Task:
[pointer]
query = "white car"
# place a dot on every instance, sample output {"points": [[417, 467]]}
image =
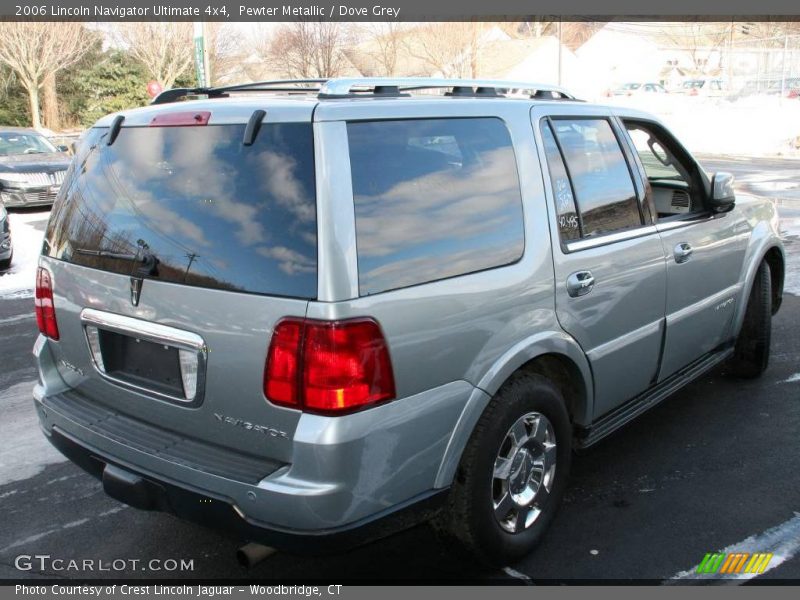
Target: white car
{"points": [[635, 89]]}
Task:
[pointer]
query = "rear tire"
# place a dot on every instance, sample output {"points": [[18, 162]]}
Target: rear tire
{"points": [[512, 474], [751, 355]]}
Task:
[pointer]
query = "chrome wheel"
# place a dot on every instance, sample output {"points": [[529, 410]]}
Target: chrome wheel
{"points": [[524, 471]]}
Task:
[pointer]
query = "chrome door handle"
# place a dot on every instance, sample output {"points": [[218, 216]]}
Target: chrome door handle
{"points": [[682, 252], [580, 283]]}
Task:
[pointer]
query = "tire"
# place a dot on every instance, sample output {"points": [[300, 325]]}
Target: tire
{"points": [[6, 264], [469, 520], [751, 355]]}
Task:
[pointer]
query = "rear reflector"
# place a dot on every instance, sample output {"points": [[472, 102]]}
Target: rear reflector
{"points": [[181, 119], [328, 367], [43, 301]]}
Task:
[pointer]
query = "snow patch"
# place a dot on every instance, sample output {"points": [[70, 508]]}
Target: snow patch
{"points": [[790, 232], [24, 450], [19, 280], [783, 541], [792, 379]]}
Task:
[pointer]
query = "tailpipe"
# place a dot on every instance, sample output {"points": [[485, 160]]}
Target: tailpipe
{"points": [[251, 554]]}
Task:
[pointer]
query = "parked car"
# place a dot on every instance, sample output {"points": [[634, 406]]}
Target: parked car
{"points": [[635, 89], [31, 168], [6, 248], [702, 87], [314, 316], [788, 87]]}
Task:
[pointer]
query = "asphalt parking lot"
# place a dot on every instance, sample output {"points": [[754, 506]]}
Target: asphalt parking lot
{"points": [[713, 468]]}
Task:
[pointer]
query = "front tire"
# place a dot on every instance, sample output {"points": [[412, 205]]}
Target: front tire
{"points": [[512, 474], [6, 264], [751, 355]]}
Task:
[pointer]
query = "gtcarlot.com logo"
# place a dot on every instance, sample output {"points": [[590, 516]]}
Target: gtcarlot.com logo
{"points": [[45, 562]]}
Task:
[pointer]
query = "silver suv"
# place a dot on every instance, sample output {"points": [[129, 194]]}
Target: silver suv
{"points": [[328, 310]]}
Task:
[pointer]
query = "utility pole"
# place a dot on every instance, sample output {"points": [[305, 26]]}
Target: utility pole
{"points": [[201, 64], [559, 51], [192, 257], [783, 62], [730, 59]]}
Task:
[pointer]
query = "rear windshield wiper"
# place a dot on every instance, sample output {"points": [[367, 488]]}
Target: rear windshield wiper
{"points": [[147, 260]]}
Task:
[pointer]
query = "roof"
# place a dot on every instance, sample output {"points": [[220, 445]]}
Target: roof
{"points": [[9, 128], [235, 104]]}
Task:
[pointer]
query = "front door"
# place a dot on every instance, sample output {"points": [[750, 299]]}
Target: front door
{"points": [[704, 251]]}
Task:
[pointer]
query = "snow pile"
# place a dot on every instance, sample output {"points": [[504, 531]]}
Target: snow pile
{"points": [[24, 450], [790, 231], [27, 234], [752, 126]]}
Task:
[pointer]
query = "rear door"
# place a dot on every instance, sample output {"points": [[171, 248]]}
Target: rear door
{"points": [[174, 250], [609, 262]]}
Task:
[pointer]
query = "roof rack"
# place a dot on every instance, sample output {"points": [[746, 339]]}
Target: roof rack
{"points": [[276, 85], [357, 87], [349, 87]]}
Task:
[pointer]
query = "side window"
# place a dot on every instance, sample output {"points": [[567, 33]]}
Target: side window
{"points": [[567, 214], [673, 186], [601, 181], [433, 198]]}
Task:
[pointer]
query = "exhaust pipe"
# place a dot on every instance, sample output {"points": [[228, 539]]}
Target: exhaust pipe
{"points": [[251, 554]]}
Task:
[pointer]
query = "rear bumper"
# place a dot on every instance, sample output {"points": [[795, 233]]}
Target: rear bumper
{"points": [[148, 492], [343, 474]]}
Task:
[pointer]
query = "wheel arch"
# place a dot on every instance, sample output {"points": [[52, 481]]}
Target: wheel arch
{"points": [[554, 355], [777, 266], [773, 254]]}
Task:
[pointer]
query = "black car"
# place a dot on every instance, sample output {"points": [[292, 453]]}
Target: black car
{"points": [[6, 250], [31, 168]]}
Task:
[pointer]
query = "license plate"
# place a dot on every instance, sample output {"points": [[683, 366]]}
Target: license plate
{"points": [[142, 363]]}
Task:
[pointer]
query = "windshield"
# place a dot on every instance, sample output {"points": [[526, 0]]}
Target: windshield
{"points": [[14, 143], [195, 206]]}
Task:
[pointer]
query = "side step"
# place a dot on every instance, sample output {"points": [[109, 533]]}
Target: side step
{"points": [[624, 414]]}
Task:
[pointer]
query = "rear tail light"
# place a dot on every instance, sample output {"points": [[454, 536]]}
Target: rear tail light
{"points": [[328, 367], [43, 301]]}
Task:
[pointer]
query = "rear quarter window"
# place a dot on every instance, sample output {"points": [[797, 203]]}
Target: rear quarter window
{"points": [[434, 198]]}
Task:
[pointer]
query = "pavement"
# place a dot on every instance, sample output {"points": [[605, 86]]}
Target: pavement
{"points": [[714, 468]]}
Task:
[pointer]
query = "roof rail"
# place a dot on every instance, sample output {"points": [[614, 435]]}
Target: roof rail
{"points": [[348, 87], [275, 85], [376, 86]]}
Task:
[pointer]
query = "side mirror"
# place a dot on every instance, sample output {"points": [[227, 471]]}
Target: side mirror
{"points": [[63, 148], [723, 198]]}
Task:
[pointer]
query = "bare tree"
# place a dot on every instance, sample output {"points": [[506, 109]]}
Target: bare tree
{"points": [[385, 40], [36, 50], [452, 48], [222, 45], [306, 49], [164, 49], [699, 40]]}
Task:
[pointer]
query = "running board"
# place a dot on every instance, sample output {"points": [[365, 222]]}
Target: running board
{"points": [[624, 414]]}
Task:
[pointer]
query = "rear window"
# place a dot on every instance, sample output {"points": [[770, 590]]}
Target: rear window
{"points": [[211, 211], [434, 198]]}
